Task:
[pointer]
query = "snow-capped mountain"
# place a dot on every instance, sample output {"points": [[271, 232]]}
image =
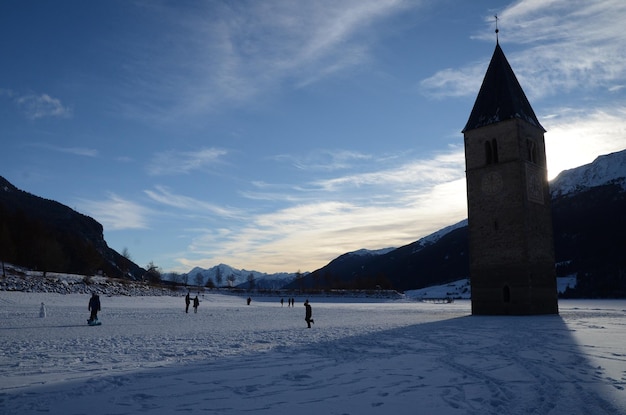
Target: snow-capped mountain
{"points": [[223, 275], [366, 252], [604, 169]]}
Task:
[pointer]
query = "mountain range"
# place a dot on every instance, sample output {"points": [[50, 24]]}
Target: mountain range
{"points": [[589, 220]]}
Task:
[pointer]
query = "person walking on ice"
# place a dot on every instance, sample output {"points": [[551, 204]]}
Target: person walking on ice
{"points": [[196, 303], [94, 307], [309, 313]]}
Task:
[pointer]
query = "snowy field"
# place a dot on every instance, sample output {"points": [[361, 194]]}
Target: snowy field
{"points": [[360, 357]]}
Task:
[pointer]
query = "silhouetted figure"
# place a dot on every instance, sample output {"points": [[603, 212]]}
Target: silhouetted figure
{"points": [[196, 303], [187, 302], [42, 311], [249, 300], [308, 314], [94, 307], [282, 302]]}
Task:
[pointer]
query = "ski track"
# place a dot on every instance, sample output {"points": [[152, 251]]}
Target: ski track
{"points": [[359, 358]]}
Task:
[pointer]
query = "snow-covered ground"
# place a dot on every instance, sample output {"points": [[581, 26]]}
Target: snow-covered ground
{"points": [[360, 357]]}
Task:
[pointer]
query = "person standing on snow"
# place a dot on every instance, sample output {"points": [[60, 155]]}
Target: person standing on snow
{"points": [[196, 303], [308, 314], [94, 307], [187, 302]]}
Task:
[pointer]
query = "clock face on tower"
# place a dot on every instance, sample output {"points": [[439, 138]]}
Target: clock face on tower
{"points": [[491, 183], [534, 186]]}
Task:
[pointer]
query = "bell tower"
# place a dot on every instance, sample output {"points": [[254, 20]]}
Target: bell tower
{"points": [[512, 268]]}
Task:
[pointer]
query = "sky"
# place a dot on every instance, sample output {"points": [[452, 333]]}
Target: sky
{"points": [[277, 135]]}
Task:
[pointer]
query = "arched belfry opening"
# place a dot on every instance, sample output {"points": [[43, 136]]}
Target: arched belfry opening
{"points": [[512, 267]]}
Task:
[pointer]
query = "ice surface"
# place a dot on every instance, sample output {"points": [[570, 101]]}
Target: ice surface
{"points": [[360, 357]]}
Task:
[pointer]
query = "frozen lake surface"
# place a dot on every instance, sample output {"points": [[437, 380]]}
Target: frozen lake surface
{"points": [[360, 357]]}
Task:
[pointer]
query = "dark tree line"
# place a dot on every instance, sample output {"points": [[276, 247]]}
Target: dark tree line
{"points": [[31, 243]]}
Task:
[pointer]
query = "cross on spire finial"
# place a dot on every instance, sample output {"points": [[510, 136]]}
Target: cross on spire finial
{"points": [[497, 30]]}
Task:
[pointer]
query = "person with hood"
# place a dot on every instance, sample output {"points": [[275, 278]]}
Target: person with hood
{"points": [[308, 314], [94, 307]]}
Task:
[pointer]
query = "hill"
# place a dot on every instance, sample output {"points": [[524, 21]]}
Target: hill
{"points": [[45, 235]]}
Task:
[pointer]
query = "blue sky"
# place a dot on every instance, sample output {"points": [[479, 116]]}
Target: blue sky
{"points": [[278, 135]]}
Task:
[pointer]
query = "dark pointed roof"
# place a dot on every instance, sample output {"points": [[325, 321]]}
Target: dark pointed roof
{"points": [[501, 97]]}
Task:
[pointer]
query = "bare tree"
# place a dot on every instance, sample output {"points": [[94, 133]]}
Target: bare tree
{"points": [[152, 273]]}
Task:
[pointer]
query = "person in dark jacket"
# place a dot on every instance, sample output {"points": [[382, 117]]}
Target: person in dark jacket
{"points": [[187, 302], [196, 303], [308, 314], [94, 307]]}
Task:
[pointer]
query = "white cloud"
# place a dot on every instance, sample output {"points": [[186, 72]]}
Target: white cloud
{"points": [[166, 197], [80, 151], [568, 45], [183, 162], [453, 82], [77, 151], [217, 54], [116, 213], [326, 160], [418, 173], [576, 137], [41, 106]]}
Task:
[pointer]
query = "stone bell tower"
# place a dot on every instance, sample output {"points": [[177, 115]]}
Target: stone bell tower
{"points": [[511, 244]]}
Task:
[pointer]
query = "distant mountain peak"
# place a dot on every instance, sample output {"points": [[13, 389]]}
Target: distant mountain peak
{"points": [[363, 252]]}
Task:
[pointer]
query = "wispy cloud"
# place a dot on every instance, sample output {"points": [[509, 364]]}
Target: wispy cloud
{"points": [[77, 151], [568, 45], [36, 106], [165, 196], [116, 213], [416, 173], [391, 207], [315, 233], [325, 160], [228, 54], [183, 162]]}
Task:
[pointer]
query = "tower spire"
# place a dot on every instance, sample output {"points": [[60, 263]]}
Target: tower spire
{"points": [[497, 30]]}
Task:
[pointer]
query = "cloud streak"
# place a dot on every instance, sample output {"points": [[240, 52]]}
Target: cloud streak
{"points": [[568, 45], [166, 197], [77, 151], [117, 213], [218, 55], [184, 162], [324, 219], [35, 106]]}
